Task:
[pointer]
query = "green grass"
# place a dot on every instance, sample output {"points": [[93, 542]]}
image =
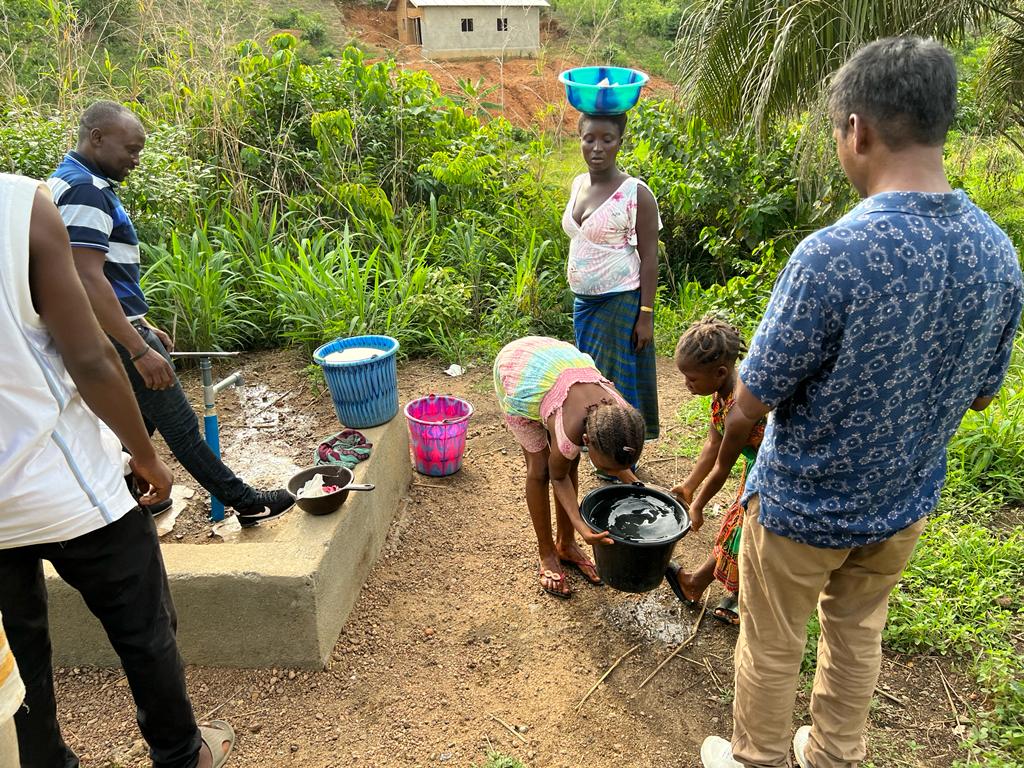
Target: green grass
{"points": [[498, 760], [693, 417], [961, 593]]}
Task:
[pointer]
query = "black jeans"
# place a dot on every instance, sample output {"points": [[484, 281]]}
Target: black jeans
{"points": [[170, 413], [120, 573]]}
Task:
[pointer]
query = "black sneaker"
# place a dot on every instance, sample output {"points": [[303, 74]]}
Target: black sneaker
{"points": [[269, 505]]}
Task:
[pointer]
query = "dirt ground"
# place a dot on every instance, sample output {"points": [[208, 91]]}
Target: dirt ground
{"points": [[528, 92], [451, 636]]}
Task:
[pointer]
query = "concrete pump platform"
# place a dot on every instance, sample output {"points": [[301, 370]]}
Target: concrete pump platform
{"points": [[276, 596]]}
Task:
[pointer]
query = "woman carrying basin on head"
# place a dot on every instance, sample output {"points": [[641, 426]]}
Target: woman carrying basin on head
{"points": [[555, 400], [612, 222]]}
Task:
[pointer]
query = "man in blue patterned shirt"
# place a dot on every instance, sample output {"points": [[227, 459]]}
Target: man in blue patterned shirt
{"points": [[882, 331]]}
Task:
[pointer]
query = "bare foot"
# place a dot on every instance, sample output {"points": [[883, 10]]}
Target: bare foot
{"points": [[571, 554]]}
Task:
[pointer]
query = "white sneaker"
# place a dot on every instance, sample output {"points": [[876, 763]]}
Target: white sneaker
{"points": [[716, 752], [800, 740]]}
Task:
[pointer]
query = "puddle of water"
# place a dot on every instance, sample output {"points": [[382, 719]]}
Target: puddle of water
{"points": [[653, 616], [259, 406], [257, 451]]}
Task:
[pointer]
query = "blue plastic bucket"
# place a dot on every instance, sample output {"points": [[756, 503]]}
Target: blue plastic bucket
{"points": [[603, 90], [364, 392]]}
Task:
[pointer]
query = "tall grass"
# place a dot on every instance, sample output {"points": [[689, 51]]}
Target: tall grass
{"points": [[198, 295], [987, 454]]}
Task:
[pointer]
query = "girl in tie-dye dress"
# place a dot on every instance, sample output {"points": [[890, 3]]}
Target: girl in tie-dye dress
{"points": [[555, 401]]}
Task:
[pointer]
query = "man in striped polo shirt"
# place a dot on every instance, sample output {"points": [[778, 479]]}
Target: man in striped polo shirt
{"points": [[106, 250]]}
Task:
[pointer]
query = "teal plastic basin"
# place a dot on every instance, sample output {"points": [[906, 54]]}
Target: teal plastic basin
{"points": [[603, 90]]}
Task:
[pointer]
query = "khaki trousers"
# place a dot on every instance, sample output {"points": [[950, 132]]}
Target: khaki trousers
{"points": [[8, 744], [781, 582]]}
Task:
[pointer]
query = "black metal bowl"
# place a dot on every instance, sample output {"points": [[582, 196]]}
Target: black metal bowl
{"points": [[331, 502]]}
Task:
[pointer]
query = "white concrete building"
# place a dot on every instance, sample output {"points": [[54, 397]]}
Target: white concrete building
{"points": [[460, 29]]}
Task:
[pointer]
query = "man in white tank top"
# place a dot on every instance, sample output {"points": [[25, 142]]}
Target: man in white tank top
{"points": [[63, 497]]}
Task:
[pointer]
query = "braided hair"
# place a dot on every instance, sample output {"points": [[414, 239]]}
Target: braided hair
{"points": [[617, 431], [710, 340]]}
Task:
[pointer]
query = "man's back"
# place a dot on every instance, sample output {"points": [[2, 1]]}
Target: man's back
{"points": [[56, 478], [896, 319]]}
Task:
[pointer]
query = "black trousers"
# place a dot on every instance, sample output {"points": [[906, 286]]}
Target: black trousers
{"points": [[169, 411], [120, 573]]}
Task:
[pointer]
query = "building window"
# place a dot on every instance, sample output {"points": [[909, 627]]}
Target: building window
{"points": [[503, 25], [467, 25]]}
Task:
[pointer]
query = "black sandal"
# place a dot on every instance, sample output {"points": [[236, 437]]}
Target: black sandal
{"points": [[672, 577], [727, 611]]}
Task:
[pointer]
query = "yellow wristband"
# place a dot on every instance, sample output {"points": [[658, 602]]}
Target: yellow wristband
{"points": [[646, 309]]}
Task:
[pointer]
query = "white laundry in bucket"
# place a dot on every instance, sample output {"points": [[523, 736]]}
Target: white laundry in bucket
{"points": [[352, 355]]}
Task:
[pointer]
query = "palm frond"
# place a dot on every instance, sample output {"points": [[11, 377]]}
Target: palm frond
{"points": [[755, 61], [1001, 86]]}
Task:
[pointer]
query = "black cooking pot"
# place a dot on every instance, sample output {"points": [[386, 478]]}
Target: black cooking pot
{"points": [[631, 565], [331, 502]]}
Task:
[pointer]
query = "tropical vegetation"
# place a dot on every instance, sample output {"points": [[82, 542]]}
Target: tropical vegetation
{"points": [[294, 189]]}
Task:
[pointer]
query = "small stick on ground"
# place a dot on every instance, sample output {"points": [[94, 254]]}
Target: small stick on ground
{"points": [[418, 484], [890, 697], [508, 728], [274, 402], [490, 442], [692, 661], [493, 450], [314, 400], [946, 687], [686, 642], [220, 706], [112, 682], [714, 676], [605, 676]]}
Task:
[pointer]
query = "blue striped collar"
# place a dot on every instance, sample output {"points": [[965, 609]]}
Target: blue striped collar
{"points": [[79, 159]]}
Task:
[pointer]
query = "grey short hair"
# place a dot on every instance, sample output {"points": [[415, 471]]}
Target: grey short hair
{"points": [[905, 85], [101, 114]]}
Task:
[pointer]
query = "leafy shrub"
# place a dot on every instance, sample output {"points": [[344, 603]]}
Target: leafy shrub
{"points": [[952, 596], [32, 140], [722, 199], [987, 453]]}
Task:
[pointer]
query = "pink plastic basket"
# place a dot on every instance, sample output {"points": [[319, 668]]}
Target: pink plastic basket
{"points": [[437, 431]]}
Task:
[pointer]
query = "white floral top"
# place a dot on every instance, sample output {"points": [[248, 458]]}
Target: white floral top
{"points": [[602, 251]]}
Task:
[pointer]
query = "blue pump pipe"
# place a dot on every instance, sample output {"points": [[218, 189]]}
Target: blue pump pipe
{"points": [[211, 427]]}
